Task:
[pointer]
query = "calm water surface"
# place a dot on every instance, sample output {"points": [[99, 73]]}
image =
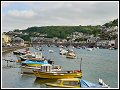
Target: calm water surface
{"points": [[99, 63]]}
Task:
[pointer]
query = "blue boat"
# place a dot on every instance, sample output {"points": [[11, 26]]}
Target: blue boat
{"points": [[87, 84], [34, 62]]}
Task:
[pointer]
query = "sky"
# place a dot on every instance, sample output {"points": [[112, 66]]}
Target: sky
{"points": [[21, 15]]}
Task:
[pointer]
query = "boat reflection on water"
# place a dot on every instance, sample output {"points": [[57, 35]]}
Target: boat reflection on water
{"points": [[43, 81]]}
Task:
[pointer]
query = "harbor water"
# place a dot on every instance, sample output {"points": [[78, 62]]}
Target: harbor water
{"points": [[98, 63]]}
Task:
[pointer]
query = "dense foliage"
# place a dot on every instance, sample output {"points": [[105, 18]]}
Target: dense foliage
{"points": [[63, 31], [111, 23]]}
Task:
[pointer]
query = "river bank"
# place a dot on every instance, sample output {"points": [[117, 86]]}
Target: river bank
{"points": [[13, 48]]}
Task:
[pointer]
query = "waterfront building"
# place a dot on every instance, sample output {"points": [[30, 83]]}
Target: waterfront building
{"points": [[116, 43], [6, 39], [18, 41], [93, 39], [102, 43], [112, 43]]}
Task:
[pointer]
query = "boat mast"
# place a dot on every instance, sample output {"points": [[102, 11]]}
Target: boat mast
{"points": [[80, 65]]}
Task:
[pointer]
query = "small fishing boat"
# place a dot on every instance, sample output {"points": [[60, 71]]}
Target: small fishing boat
{"points": [[39, 48], [63, 51], [61, 46], [36, 56], [88, 84], [111, 48], [74, 83], [51, 51], [46, 71], [29, 69], [65, 83], [35, 60], [34, 63], [31, 56], [18, 53], [21, 53], [89, 49], [101, 82], [70, 54], [26, 56], [83, 47]]}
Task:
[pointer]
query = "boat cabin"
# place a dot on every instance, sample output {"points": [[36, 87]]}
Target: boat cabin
{"points": [[38, 55], [50, 68]]}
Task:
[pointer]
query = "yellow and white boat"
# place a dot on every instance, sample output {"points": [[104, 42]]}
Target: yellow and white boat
{"points": [[65, 83], [70, 54], [29, 69], [47, 72]]}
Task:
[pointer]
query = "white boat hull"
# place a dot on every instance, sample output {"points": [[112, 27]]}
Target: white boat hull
{"points": [[28, 70]]}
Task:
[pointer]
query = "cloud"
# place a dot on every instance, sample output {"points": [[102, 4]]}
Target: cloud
{"points": [[26, 14], [22, 13]]}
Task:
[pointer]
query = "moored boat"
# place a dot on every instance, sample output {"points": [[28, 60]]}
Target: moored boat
{"points": [[26, 56], [21, 53], [89, 49], [27, 66], [51, 51], [34, 62], [65, 83], [18, 53], [47, 72], [35, 56], [29, 69], [63, 51], [88, 84], [75, 83], [70, 54]]}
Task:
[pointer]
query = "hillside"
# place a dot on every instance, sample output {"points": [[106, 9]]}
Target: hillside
{"points": [[62, 31], [111, 23]]}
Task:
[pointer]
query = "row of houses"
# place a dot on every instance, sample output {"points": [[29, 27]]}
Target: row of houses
{"points": [[12, 41], [76, 35], [107, 43], [110, 29], [7, 40], [97, 41], [47, 40]]}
